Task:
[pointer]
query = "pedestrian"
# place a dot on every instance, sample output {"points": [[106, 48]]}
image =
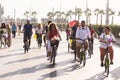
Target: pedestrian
{"points": [[14, 30], [19, 29]]}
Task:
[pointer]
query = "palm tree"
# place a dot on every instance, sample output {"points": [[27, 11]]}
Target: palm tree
{"points": [[119, 13], [112, 13], [78, 12], [96, 12], [88, 14], [58, 14], [70, 13], [26, 14], [34, 13], [101, 12], [50, 15]]}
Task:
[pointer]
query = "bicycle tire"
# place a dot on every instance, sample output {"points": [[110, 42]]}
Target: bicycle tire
{"points": [[54, 55], [84, 59], [107, 65]]}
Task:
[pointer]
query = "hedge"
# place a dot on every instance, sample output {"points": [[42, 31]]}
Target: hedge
{"points": [[115, 29]]}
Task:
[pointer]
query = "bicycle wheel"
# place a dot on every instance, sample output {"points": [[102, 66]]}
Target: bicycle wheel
{"points": [[54, 55], [107, 66], [81, 58], [84, 59]]}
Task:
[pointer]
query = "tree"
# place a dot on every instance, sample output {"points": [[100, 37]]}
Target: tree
{"points": [[26, 14], [34, 13], [88, 14], [69, 14], [50, 15], [78, 12], [101, 12], [96, 12], [112, 13]]}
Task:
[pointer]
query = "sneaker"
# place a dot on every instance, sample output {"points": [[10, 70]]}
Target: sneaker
{"points": [[111, 62], [48, 58], [45, 45]]}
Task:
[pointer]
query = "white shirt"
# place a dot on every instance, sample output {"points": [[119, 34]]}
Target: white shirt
{"points": [[39, 31], [106, 37], [82, 33]]}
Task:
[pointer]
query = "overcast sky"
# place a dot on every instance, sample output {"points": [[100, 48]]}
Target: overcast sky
{"points": [[42, 7]]}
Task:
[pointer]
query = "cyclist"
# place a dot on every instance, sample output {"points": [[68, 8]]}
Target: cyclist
{"points": [[83, 33], [67, 32], [39, 31], [27, 29], [106, 40], [45, 30], [9, 32], [3, 30], [93, 33], [73, 35], [52, 35]]}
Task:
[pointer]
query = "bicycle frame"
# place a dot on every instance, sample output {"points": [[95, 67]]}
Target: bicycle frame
{"points": [[82, 52], [107, 61], [54, 48]]}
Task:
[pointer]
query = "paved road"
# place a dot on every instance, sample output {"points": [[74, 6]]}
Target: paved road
{"points": [[15, 65]]}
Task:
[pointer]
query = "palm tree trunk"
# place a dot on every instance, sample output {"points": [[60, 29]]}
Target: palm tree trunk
{"points": [[97, 19], [101, 20], [78, 18], [112, 20]]}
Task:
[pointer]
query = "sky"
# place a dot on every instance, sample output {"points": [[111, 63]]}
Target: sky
{"points": [[42, 7]]}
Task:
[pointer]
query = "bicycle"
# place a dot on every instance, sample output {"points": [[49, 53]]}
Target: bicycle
{"points": [[26, 46], [82, 52], [54, 50], [90, 50], [71, 44], [39, 41], [107, 61]]}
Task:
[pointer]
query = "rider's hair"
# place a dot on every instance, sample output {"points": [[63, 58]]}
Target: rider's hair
{"points": [[108, 28], [51, 25]]}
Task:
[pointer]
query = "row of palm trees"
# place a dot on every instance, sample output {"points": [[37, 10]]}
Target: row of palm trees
{"points": [[78, 13], [28, 14]]}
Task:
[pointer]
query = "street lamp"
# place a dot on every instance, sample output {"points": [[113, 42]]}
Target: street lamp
{"points": [[107, 12], [86, 10]]}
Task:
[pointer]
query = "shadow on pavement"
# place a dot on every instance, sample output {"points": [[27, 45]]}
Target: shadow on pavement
{"points": [[23, 60], [32, 69], [114, 74], [16, 54], [60, 72]]}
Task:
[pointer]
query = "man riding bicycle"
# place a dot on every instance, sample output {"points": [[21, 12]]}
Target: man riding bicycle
{"points": [[27, 29], [82, 33]]}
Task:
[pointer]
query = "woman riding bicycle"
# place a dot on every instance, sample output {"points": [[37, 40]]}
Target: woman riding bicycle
{"points": [[52, 35], [106, 40]]}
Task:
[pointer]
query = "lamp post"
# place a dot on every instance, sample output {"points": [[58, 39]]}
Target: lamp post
{"points": [[107, 12], [86, 10]]}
